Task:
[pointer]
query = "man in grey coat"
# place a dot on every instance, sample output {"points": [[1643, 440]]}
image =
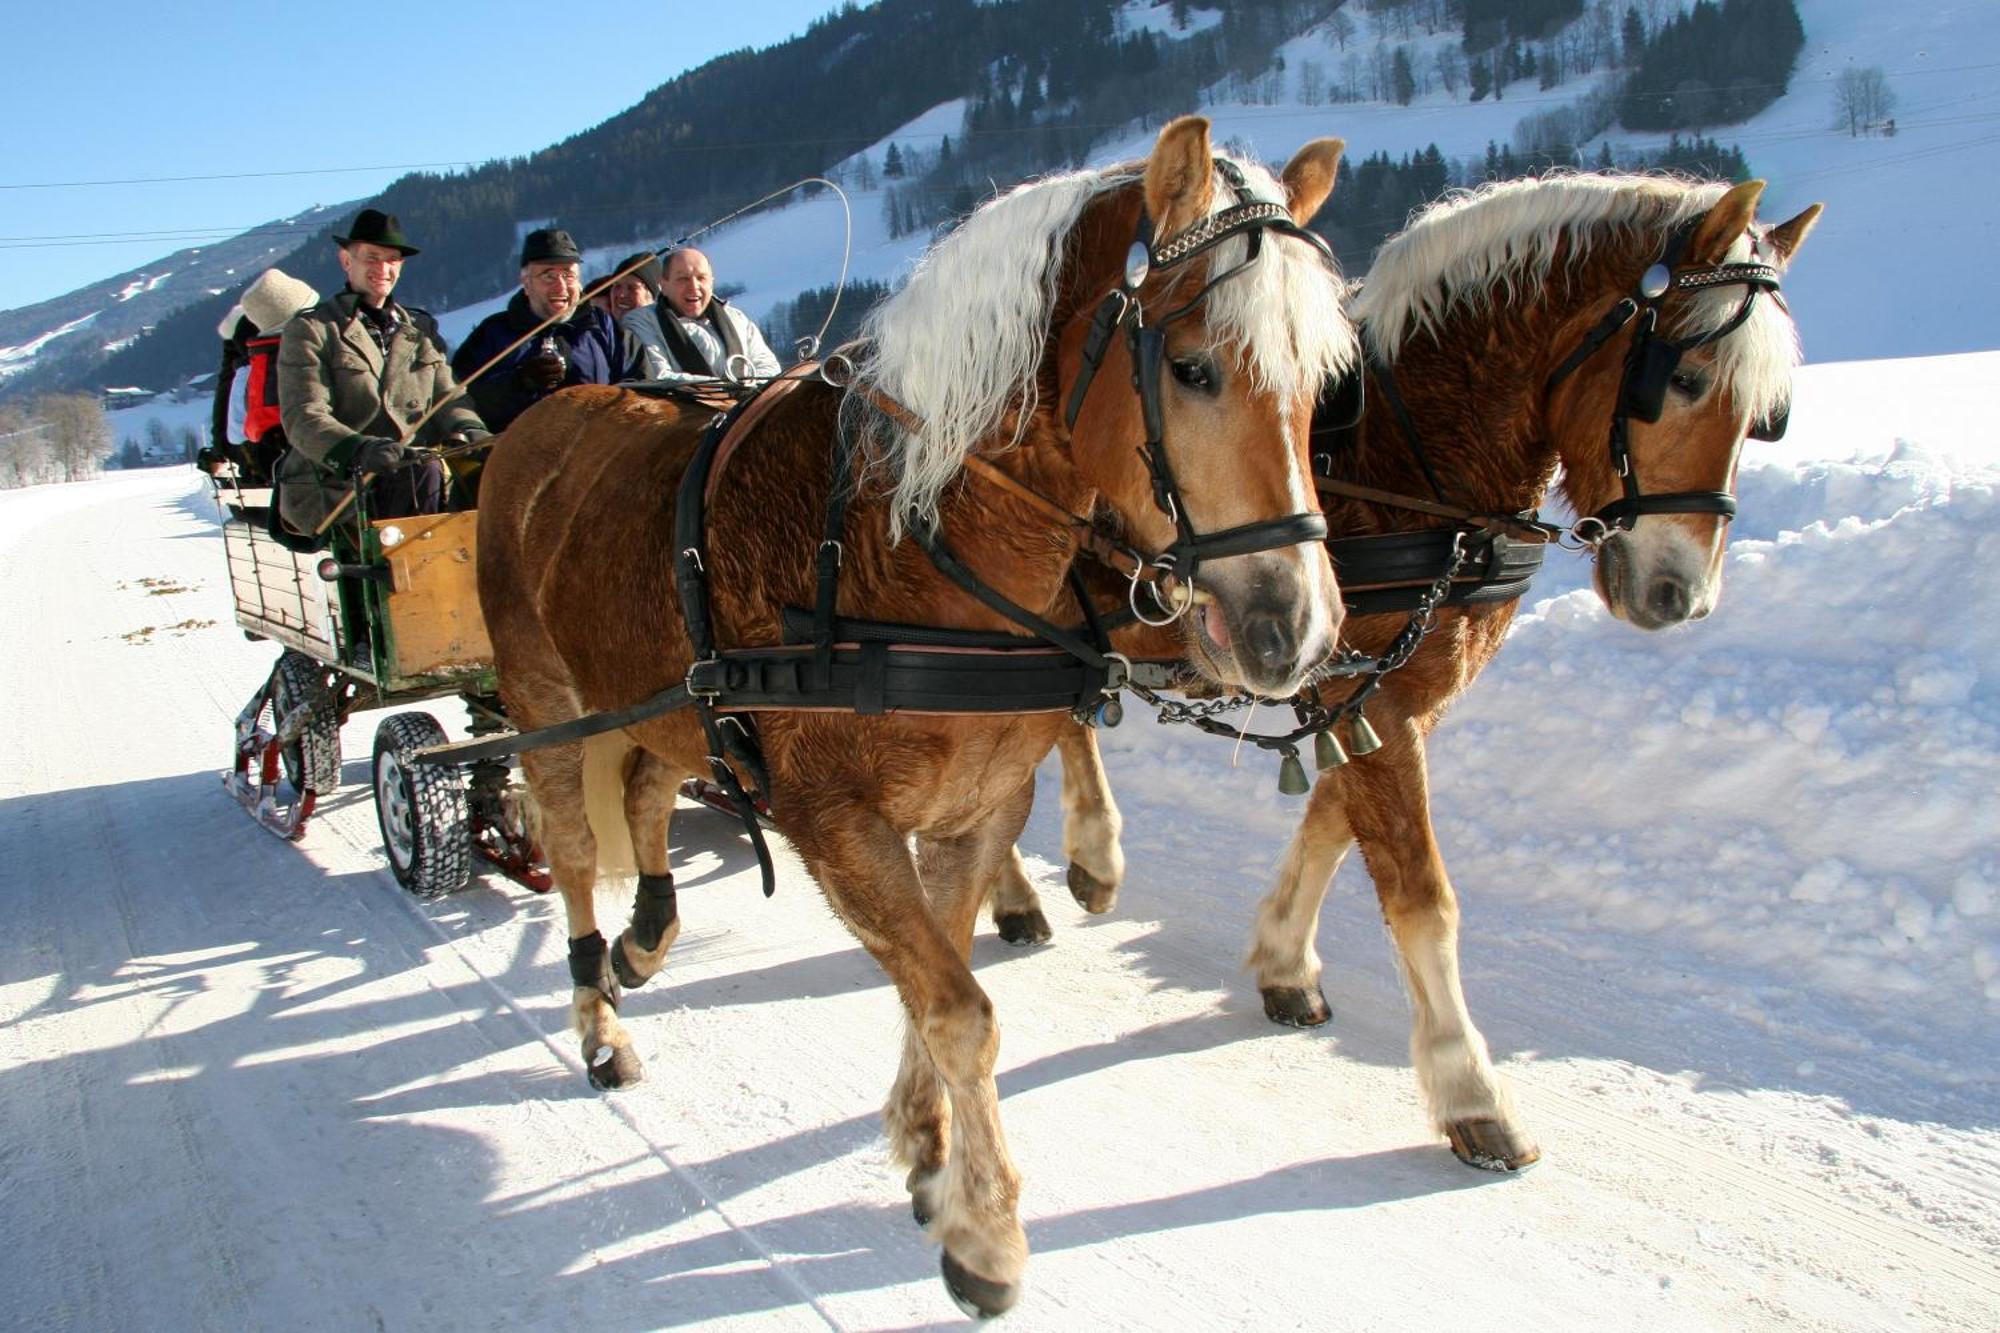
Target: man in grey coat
{"points": [[355, 372], [693, 334]]}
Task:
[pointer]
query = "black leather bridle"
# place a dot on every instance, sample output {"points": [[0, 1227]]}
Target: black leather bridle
{"points": [[1146, 343], [1649, 367]]}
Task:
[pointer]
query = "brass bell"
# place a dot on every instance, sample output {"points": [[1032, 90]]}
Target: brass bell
{"points": [[1361, 738], [1292, 775], [1327, 752]]}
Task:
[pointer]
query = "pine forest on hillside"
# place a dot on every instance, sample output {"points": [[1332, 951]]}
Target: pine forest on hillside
{"points": [[1045, 82]]}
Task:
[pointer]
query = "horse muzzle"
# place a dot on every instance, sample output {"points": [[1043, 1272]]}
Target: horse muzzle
{"points": [[1653, 584], [1264, 621]]}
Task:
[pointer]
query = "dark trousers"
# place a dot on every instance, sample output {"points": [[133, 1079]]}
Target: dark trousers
{"points": [[407, 491]]}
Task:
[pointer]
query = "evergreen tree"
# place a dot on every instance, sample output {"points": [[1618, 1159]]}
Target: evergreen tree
{"points": [[1633, 36], [892, 163], [1402, 78]]}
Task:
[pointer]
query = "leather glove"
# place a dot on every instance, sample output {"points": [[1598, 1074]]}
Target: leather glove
{"points": [[375, 456], [543, 373]]}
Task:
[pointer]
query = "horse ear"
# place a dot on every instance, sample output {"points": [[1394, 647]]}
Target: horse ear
{"points": [[1179, 176], [1309, 177], [1729, 219], [1786, 237]]}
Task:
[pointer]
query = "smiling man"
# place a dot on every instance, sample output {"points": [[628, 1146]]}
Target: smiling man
{"points": [[692, 333], [582, 344], [355, 372]]}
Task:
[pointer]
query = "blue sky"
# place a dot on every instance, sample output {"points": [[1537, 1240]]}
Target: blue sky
{"points": [[302, 103]]}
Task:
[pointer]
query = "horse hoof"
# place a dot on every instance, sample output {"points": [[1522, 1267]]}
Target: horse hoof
{"points": [[614, 1067], [621, 966], [975, 1295], [1029, 927], [1296, 1006], [1491, 1145], [923, 1186], [1092, 894]]}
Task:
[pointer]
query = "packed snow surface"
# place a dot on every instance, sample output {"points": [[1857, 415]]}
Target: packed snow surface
{"points": [[1730, 924]]}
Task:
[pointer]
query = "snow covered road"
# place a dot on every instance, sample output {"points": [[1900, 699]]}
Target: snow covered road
{"points": [[247, 1084]]}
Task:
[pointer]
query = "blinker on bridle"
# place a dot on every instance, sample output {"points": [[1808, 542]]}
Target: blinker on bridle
{"points": [[1650, 363], [1121, 310]]}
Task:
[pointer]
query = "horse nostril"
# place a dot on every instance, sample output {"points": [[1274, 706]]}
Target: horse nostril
{"points": [[1667, 599], [1270, 641]]}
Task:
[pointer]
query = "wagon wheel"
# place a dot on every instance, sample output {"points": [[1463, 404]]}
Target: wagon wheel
{"points": [[421, 807], [313, 761]]}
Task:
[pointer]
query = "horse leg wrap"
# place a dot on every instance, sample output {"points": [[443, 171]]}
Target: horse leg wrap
{"points": [[653, 910], [586, 966]]}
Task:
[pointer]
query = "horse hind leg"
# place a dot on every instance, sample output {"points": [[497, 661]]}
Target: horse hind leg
{"points": [[1467, 1100], [640, 952], [1017, 908], [1092, 824], [1283, 952], [555, 777]]}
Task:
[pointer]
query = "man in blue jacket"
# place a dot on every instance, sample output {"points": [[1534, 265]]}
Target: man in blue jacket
{"points": [[583, 345]]}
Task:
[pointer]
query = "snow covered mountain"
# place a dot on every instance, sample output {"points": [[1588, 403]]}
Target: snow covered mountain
{"points": [[1895, 273]]}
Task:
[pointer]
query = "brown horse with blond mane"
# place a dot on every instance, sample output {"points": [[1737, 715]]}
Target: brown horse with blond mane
{"points": [[1510, 330], [904, 816]]}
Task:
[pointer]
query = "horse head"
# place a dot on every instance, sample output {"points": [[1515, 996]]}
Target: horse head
{"points": [[1691, 358], [1231, 318]]}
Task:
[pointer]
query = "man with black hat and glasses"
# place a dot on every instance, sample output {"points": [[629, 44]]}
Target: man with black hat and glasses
{"points": [[583, 344], [355, 373]]}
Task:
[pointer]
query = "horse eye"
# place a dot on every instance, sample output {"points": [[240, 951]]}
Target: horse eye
{"points": [[1194, 372], [1688, 383]]}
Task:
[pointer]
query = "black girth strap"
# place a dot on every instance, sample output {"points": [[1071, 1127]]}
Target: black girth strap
{"points": [[691, 578]]}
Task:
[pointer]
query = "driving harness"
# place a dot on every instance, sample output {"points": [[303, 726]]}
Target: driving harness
{"points": [[830, 663]]}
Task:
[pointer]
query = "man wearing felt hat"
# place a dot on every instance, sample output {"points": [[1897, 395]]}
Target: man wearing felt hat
{"points": [[581, 344], [355, 373]]}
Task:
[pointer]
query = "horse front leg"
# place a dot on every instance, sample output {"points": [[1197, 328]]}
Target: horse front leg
{"points": [[555, 778], [1091, 823], [1390, 813], [1283, 952], [641, 950], [920, 929]]}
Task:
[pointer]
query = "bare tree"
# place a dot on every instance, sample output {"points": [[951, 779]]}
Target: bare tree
{"points": [[23, 456], [1341, 26], [1862, 99], [78, 435], [1451, 67], [1312, 83]]}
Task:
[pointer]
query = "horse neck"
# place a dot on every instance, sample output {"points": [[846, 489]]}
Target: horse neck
{"points": [[1475, 391]]}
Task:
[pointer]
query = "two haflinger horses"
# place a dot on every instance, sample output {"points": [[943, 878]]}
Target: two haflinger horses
{"points": [[1511, 332], [1187, 277]]}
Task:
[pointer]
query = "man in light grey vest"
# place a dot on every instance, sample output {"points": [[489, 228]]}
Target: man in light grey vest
{"points": [[692, 334]]}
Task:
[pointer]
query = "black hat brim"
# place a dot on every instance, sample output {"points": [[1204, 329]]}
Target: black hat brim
{"points": [[407, 250]]}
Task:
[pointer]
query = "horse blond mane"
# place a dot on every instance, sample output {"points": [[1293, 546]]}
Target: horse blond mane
{"points": [[1499, 243], [960, 345]]}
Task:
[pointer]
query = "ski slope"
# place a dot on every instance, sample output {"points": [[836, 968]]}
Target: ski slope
{"points": [[1730, 927]]}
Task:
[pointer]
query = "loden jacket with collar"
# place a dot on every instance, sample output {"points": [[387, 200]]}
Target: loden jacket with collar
{"points": [[336, 388]]}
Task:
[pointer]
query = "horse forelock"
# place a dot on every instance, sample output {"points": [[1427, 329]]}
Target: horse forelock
{"points": [[1498, 243], [1284, 315], [960, 345]]}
